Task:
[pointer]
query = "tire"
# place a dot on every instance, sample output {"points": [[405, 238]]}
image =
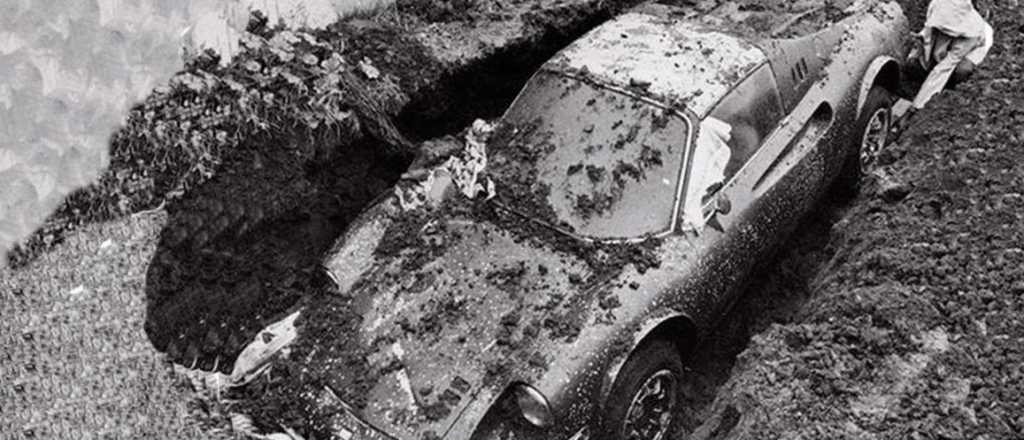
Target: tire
{"points": [[658, 361], [863, 155]]}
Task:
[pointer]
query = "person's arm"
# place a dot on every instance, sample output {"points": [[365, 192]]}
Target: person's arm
{"points": [[979, 53], [939, 75]]}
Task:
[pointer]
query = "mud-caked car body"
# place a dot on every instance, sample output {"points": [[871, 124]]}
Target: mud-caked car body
{"points": [[638, 179]]}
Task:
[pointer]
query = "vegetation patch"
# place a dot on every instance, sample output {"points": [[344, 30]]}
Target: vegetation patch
{"points": [[288, 100]]}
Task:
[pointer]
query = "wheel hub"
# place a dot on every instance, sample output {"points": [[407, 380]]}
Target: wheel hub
{"points": [[650, 413], [875, 135]]}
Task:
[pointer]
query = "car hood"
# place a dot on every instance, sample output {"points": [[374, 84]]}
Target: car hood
{"points": [[451, 303]]}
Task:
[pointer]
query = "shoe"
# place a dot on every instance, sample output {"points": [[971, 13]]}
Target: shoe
{"points": [[901, 125]]}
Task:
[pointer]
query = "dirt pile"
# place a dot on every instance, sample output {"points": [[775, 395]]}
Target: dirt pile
{"points": [[914, 329]]}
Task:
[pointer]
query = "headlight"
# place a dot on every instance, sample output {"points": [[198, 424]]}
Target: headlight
{"points": [[533, 405]]}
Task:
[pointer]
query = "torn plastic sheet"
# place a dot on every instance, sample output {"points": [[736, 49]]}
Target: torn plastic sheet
{"points": [[271, 342], [463, 170], [710, 158], [243, 424]]}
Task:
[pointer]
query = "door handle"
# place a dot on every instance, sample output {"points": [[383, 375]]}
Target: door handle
{"points": [[723, 205]]}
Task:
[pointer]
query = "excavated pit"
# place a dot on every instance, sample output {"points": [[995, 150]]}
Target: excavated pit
{"points": [[210, 295], [244, 248]]}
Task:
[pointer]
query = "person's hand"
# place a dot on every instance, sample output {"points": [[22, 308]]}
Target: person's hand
{"points": [[901, 125]]}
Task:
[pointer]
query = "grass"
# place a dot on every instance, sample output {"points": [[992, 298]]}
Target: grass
{"points": [[77, 363], [358, 8]]}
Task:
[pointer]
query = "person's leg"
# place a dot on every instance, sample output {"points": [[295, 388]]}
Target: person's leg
{"points": [[944, 68], [961, 74], [940, 46], [938, 79]]}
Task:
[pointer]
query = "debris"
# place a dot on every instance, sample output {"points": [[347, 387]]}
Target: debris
{"points": [[609, 302], [793, 20], [366, 66], [777, 19], [256, 357], [638, 83], [243, 424], [889, 187], [274, 340], [462, 170]]}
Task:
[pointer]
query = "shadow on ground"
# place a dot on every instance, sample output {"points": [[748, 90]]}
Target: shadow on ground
{"points": [[244, 249]]}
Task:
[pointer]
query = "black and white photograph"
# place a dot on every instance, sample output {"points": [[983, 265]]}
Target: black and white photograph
{"points": [[512, 219]]}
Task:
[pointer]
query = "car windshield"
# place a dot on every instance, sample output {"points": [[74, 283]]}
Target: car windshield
{"points": [[597, 162]]}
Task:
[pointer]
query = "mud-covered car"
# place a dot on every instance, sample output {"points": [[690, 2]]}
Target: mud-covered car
{"points": [[556, 288]]}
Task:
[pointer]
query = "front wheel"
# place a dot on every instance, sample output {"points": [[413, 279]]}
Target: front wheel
{"points": [[872, 133], [644, 400]]}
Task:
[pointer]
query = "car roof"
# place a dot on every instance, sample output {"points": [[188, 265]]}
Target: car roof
{"points": [[673, 61]]}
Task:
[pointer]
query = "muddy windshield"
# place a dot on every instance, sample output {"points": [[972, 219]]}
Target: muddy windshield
{"points": [[594, 161]]}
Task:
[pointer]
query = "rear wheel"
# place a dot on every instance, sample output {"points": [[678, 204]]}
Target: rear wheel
{"points": [[644, 400], [872, 134]]}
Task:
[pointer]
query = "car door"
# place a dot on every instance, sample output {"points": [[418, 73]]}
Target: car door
{"points": [[740, 126], [760, 193]]}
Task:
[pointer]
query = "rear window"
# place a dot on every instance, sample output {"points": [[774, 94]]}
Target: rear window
{"points": [[600, 163]]}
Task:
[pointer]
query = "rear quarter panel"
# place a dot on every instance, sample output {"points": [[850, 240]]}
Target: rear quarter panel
{"points": [[844, 53]]}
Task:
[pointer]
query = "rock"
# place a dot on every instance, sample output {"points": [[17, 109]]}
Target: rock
{"points": [[887, 186], [366, 66], [639, 83]]}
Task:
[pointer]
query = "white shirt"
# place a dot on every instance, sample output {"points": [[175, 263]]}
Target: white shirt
{"points": [[710, 157]]}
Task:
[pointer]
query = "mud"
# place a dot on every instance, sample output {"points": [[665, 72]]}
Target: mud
{"points": [[910, 329]]}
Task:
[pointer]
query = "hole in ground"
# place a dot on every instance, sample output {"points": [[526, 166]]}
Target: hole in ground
{"points": [[245, 249]]}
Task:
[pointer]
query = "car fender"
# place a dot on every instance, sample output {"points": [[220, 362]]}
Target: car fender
{"points": [[878, 66], [646, 328]]}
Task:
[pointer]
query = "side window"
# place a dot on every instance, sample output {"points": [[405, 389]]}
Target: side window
{"points": [[753, 110], [711, 155], [728, 137]]}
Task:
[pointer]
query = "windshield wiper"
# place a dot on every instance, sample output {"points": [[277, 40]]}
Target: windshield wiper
{"points": [[545, 225]]}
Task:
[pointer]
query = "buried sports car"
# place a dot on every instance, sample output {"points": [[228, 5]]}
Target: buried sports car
{"points": [[553, 287]]}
